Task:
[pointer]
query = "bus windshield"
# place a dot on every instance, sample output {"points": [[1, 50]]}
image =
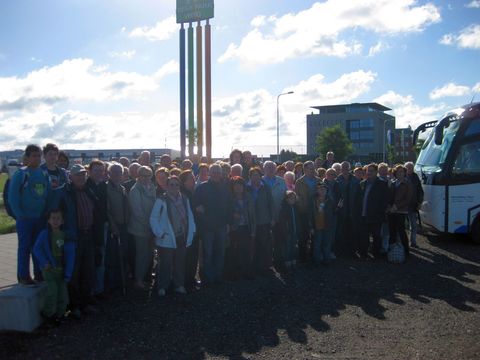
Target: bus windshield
{"points": [[432, 156]]}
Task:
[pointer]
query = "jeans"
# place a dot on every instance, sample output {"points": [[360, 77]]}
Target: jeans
{"points": [[385, 236], [213, 246], [412, 219], [322, 245], [27, 232], [100, 236], [56, 300]]}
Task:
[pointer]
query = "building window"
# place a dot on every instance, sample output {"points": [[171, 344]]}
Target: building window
{"points": [[366, 123], [354, 135]]}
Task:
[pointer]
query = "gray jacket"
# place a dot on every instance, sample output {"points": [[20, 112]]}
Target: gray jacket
{"points": [[141, 200]]}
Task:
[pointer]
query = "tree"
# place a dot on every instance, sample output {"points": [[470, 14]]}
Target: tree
{"points": [[286, 155], [334, 139]]}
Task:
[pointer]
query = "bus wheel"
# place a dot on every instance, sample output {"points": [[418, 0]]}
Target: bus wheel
{"points": [[476, 231]]}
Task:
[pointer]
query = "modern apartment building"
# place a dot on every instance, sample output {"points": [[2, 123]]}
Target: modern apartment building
{"points": [[366, 125]]}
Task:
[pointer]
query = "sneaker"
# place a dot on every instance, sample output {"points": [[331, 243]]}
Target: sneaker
{"points": [[161, 292], [27, 282], [414, 245], [180, 290]]}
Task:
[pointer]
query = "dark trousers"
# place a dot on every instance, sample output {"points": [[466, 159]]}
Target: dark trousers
{"points": [[263, 248], [116, 259], [367, 229], [304, 237], [81, 285], [396, 226], [346, 235], [171, 265], [191, 262], [278, 251], [242, 247]]}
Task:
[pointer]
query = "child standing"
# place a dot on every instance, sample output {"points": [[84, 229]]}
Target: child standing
{"points": [[290, 229], [56, 257]]}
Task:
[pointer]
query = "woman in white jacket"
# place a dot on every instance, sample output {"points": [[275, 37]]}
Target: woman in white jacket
{"points": [[173, 226]]}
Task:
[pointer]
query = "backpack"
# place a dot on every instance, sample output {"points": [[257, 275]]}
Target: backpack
{"points": [[6, 203], [24, 184]]}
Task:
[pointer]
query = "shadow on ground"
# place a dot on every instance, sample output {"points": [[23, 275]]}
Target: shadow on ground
{"points": [[240, 319]]}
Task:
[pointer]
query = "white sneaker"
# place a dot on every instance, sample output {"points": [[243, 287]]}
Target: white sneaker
{"points": [[180, 290], [161, 292]]}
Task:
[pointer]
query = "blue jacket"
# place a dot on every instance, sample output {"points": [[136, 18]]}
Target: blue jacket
{"points": [[28, 193], [43, 253], [217, 203], [57, 190]]}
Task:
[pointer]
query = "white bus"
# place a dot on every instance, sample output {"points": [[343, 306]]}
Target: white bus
{"points": [[449, 168]]}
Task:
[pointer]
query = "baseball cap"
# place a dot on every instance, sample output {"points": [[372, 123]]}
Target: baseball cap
{"points": [[77, 169]]}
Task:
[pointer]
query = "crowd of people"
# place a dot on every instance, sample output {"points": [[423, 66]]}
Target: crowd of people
{"points": [[95, 230]]}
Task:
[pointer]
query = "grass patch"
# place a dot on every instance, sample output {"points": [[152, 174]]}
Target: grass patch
{"points": [[7, 224], [3, 179]]}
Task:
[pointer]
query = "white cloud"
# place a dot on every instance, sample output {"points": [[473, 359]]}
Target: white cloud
{"points": [[317, 30], [163, 30], [81, 130], [473, 4], [449, 90], [467, 38], [251, 116], [407, 112], [476, 88], [75, 80], [129, 54], [378, 48], [245, 120]]}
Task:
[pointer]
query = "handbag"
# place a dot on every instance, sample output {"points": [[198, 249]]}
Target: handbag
{"points": [[396, 253]]}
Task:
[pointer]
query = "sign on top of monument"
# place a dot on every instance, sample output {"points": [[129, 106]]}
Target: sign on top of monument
{"points": [[194, 10]]}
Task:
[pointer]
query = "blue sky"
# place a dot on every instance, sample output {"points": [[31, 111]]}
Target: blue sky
{"points": [[104, 74]]}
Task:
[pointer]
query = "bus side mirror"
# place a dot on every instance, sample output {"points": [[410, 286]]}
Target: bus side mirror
{"points": [[444, 123]]}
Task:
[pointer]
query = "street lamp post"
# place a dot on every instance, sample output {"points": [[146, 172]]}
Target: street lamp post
{"points": [[384, 137], [278, 124]]}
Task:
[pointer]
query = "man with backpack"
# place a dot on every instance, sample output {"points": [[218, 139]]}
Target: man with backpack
{"points": [[28, 194]]}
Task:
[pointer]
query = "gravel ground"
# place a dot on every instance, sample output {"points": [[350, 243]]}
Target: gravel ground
{"points": [[425, 309]]}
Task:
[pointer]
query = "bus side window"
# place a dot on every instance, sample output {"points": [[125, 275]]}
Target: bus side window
{"points": [[467, 161]]}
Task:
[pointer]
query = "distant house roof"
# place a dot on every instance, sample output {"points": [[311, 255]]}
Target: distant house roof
{"points": [[340, 107]]}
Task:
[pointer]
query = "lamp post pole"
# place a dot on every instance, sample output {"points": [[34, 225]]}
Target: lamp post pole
{"points": [[278, 123], [384, 137]]}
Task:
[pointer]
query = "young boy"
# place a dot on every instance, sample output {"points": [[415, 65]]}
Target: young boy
{"points": [[56, 257]]}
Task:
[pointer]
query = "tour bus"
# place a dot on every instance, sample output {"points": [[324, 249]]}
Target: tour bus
{"points": [[449, 168]]}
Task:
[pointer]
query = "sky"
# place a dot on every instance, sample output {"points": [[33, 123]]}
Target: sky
{"points": [[89, 74]]}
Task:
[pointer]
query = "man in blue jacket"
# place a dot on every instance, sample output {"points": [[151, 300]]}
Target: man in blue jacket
{"points": [[28, 197]]}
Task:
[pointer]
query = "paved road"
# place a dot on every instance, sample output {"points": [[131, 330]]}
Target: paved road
{"points": [[427, 308], [8, 260]]}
